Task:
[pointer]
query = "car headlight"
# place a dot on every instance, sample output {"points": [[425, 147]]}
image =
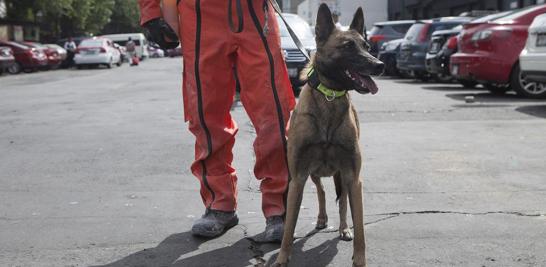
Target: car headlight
{"points": [[481, 35]]}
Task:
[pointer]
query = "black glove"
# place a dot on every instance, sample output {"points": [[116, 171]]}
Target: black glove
{"points": [[157, 30]]}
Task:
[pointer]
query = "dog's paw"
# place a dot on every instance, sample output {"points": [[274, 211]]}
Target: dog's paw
{"points": [[321, 225], [346, 234]]}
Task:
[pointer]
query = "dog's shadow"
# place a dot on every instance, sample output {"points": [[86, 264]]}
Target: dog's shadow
{"points": [[181, 249]]}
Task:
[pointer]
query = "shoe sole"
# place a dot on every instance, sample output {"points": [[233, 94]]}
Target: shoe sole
{"points": [[204, 233]]}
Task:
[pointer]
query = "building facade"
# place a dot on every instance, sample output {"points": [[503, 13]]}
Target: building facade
{"points": [[374, 10], [424, 9]]}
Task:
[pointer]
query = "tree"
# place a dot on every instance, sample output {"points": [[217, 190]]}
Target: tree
{"points": [[63, 18], [125, 17]]}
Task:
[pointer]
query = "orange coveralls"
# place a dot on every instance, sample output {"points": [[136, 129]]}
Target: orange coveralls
{"points": [[210, 49]]}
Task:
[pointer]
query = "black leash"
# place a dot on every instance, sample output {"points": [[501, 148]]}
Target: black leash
{"points": [[290, 31]]}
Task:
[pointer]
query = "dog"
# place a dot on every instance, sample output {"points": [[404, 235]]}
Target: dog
{"points": [[324, 129]]}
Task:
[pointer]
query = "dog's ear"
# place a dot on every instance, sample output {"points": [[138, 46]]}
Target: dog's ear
{"points": [[358, 22], [325, 24]]}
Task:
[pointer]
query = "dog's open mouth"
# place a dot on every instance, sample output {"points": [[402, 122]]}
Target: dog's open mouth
{"points": [[363, 83]]}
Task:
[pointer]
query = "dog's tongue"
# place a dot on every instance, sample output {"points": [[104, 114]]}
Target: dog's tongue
{"points": [[367, 83]]}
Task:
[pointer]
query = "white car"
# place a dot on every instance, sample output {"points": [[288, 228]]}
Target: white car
{"points": [[97, 51], [533, 59]]}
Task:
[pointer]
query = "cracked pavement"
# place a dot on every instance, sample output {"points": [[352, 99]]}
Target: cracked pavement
{"points": [[94, 172]]}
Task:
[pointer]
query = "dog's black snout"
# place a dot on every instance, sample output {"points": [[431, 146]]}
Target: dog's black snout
{"points": [[379, 67]]}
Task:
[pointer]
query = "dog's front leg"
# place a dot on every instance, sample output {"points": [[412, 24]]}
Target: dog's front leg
{"points": [[295, 194], [357, 212]]}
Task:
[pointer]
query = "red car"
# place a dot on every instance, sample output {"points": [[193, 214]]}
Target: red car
{"points": [[54, 58], [26, 58], [489, 51]]}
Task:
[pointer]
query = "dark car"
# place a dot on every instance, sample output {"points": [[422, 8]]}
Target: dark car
{"points": [[489, 52], [413, 50], [383, 32], [6, 58], [294, 58], [26, 58], [388, 53], [443, 44]]}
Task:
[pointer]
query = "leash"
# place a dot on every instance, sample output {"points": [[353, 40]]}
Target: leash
{"points": [[239, 28], [290, 31]]}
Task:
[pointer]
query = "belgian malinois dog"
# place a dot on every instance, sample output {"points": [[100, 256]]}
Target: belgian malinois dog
{"points": [[324, 129]]}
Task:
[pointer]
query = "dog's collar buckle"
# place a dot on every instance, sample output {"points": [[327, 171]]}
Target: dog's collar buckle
{"points": [[329, 94]]}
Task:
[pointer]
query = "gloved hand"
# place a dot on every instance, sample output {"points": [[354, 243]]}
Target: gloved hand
{"points": [[158, 31]]}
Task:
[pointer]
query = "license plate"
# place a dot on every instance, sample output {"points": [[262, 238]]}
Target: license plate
{"points": [[90, 52], [454, 69], [293, 72], [541, 39]]}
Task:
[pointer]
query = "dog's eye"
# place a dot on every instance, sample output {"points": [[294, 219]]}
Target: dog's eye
{"points": [[348, 45]]}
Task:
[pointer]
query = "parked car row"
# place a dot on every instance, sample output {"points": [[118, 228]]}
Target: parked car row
{"points": [[502, 51], [107, 50]]}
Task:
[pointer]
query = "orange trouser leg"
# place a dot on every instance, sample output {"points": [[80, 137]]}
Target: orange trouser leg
{"points": [[267, 96], [208, 89]]}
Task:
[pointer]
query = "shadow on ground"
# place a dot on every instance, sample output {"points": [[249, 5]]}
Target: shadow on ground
{"points": [[450, 88], [179, 250], [537, 111], [492, 98]]}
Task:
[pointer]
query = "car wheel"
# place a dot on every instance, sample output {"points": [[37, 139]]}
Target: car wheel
{"points": [[443, 78], [14, 68], [496, 89], [421, 76], [468, 84], [526, 88], [79, 67]]}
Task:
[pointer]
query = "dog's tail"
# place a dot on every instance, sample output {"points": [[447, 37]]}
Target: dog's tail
{"points": [[337, 183]]}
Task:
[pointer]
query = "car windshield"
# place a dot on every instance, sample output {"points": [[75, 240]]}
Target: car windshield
{"points": [[492, 17], [299, 26], [18, 45], [91, 43], [519, 13], [414, 31]]}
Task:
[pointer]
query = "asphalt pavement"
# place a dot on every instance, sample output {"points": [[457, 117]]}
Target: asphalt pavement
{"points": [[94, 171]]}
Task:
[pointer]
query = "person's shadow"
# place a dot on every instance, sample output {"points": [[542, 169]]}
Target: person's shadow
{"points": [[177, 251]]}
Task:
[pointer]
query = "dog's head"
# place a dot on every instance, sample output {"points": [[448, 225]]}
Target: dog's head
{"points": [[342, 59]]}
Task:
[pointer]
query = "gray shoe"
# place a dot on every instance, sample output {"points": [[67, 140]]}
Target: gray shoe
{"points": [[274, 228], [214, 223]]}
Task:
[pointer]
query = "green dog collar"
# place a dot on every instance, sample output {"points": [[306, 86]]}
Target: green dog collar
{"points": [[330, 94]]}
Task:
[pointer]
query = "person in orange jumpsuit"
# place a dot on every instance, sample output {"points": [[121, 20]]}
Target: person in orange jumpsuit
{"points": [[218, 36]]}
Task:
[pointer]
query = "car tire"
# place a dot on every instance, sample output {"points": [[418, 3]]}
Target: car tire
{"points": [[468, 84], [421, 76], [496, 89], [443, 78], [14, 68], [525, 88]]}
